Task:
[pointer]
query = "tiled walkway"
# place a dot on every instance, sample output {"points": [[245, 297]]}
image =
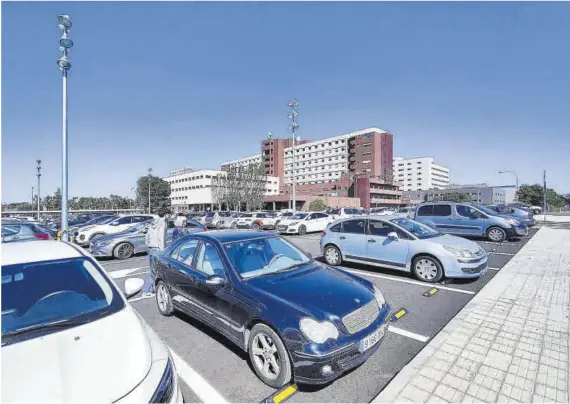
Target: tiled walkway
{"points": [[509, 344]]}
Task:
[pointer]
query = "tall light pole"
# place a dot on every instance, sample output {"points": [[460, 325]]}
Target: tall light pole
{"points": [[149, 178], [39, 174], [517, 180], [65, 45], [132, 199], [33, 197], [293, 128]]}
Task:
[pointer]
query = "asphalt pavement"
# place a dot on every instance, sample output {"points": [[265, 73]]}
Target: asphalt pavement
{"points": [[212, 369]]}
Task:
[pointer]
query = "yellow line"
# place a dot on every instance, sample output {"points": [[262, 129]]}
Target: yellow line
{"points": [[285, 394]]}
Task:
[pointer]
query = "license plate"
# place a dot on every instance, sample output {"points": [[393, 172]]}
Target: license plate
{"points": [[372, 339]]}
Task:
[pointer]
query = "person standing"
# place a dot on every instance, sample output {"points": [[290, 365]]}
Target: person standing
{"points": [[180, 227], [155, 242]]}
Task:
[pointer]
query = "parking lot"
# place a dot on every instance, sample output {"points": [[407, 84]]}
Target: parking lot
{"points": [[213, 369]]}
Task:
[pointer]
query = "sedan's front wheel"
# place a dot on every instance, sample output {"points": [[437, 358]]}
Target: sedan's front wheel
{"points": [[427, 269], [496, 234], [332, 255], [269, 356], [163, 299]]}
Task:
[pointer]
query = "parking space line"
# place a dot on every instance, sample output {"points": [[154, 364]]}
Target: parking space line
{"points": [[196, 382], [123, 261], [405, 333], [136, 299], [122, 273], [495, 269], [500, 253], [390, 278]]}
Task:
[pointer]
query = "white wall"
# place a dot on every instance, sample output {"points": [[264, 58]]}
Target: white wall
{"points": [[420, 174]]}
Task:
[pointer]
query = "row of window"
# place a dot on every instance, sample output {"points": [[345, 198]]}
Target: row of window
{"points": [[311, 155], [319, 146], [198, 177]]}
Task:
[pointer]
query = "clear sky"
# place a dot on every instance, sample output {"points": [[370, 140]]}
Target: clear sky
{"points": [[481, 87]]}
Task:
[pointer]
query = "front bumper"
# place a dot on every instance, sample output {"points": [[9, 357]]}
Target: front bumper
{"points": [[287, 229], [101, 251], [473, 268], [308, 367]]}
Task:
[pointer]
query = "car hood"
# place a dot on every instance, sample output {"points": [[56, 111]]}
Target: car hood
{"points": [[457, 242], [287, 222], [99, 362], [123, 234], [316, 290]]}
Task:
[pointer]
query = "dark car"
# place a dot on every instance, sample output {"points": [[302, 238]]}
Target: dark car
{"points": [[18, 231], [297, 318]]}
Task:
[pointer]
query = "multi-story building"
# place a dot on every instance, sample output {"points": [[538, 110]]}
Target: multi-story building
{"points": [[480, 193], [243, 162], [192, 189], [420, 173]]}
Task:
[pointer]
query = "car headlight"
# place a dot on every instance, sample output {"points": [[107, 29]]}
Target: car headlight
{"points": [[316, 331], [514, 222], [165, 389], [292, 223], [379, 297], [459, 253]]}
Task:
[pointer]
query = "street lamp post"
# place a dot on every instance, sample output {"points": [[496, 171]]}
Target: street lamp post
{"points": [[517, 180], [65, 45], [293, 128], [149, 178], [39, 174], [33, 199]]}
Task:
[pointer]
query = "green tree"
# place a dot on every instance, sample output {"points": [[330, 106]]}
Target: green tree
{"points": [[458, 197], [530, 194], [159, 193], [317, 205]]}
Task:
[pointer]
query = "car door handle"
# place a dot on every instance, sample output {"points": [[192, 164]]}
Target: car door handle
{"points": [[342, 238], [371, 240]]}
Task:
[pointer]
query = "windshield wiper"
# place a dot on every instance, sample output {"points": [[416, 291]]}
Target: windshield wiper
{"points": [[44, 326]]}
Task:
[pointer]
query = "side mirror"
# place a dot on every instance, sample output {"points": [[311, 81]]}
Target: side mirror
{"points": [[215, 280], [393, 235], [133, 286], [144, 231]]}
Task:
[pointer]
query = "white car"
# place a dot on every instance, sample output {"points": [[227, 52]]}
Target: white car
{"points": [[70, 335], [89, 233], [256, 221], [304, 222], [341, 213]]}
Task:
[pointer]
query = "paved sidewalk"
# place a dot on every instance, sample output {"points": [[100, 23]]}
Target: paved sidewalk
{"points": [[510, 343]]}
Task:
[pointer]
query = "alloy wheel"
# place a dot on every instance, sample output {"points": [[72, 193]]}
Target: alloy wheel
{"points": [[426, 269], [266, 356], [125, 251], [162, 297]]}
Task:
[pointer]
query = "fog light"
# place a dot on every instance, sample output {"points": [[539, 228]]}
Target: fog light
{"points": [[327, 370]]}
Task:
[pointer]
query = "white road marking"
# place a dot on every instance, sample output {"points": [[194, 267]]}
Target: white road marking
{"points": [[141, 298], [196, 382], [123, 261], [391, 278], [500, 253], [412, 335], [122, 273], [495, 269]]}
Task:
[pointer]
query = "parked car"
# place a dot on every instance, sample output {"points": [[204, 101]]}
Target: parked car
{"points": [[465, 219], [14, 230], [537, 210], [74, 230], [304, 222], [407, 212], [403, 244], [267, 297], [69, 334], [341, 213], [256, 221], [523, 215], [383, 211], [89, 233], [229, 222]]}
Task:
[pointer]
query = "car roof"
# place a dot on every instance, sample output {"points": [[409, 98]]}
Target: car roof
{"points": [[37, 251], [231, 236]]}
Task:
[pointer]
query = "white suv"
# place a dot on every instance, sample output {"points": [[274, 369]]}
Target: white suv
{"points": [[122, 223], [256, 221], [304, 222]]}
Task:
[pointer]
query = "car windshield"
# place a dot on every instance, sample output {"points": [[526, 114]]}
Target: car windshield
{"points": [[418, 229], [486, 210], [299, 216], [236, 215], [139, 226], [37, 295], [259, 257]]}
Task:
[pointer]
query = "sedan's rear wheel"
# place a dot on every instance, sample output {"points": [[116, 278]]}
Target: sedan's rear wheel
{"points": [[332, 255], [269, 356], [163, 299], [234, 225], [427, 269], [123, 251]]}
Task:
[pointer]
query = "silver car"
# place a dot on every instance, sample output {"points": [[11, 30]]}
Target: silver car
{"points": [[125, 244]]}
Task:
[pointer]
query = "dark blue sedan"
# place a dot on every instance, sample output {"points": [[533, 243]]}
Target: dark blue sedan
{"points": [[297, 318]]}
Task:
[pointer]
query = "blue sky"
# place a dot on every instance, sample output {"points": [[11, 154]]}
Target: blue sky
{"points": [[481, 87]]}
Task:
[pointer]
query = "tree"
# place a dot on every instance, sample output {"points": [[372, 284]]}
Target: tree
{"points": [[531, 194], [317, 205], [458, 197], [159, 193]]}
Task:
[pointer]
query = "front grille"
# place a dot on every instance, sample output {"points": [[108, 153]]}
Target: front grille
{"points": [[361, 318], [282, 228], [476, 269]]}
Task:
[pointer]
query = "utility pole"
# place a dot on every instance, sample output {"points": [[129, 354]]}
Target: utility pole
{"points": [[149, 178], [33, 197], [39, 174], [293, 128], [544, 197]]}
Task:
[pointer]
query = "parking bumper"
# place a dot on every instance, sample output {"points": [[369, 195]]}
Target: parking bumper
{"points": [[308, 368]]}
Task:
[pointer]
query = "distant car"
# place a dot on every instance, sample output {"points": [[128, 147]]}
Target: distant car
{"points": [[89, 233], [525, 216], [383, 211], [341, 213], [125, 244], [299, 320], [304, 222], [256, 221], [407, 212], [403, 244], [467, 219], [69, 334], [74, 230], [13, 230], [537, 210], [229, 222]]}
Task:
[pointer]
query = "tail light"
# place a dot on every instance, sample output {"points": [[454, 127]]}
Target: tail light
{"points": [[42, 236], [324, 233]]}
